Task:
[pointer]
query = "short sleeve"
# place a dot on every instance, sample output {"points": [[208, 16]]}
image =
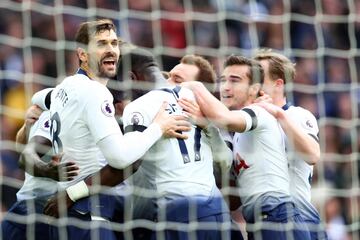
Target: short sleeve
{"points": [[256, 118], [136, 116], [42, 126], [306, 120], [99, 114]]}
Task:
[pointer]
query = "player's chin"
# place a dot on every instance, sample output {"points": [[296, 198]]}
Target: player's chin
{"points": [[108, 73], [227, 102]]}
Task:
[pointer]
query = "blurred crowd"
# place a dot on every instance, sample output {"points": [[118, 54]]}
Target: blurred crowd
{"points": [[321, 36]]}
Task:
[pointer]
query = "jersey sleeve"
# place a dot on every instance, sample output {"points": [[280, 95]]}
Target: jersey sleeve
{"points": [[41, 127], [99, 114], [256, 118], [250, 115], [42, 98], [137, 116], [306, 120]]}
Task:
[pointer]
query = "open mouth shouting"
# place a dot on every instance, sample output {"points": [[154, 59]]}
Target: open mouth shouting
{"points": [[109, 63]]}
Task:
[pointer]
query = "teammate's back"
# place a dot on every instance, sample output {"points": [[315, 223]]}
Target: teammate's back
{"points": [[182, 167]]}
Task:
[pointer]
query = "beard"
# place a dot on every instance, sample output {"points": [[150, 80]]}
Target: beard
{"points": [[103, 70], [103, 73]]}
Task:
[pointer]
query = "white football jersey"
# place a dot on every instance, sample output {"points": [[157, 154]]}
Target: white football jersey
{"points": [[301, 172], [260, 162], [34, 187], [173, 166], [82, 113]]}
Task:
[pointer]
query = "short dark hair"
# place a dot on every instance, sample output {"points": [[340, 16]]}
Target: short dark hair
{"points": [[255, 73], [86, 29], [142, 65]]}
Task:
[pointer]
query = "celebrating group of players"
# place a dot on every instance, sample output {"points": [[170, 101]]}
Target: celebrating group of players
{"points": [[159, 169]]}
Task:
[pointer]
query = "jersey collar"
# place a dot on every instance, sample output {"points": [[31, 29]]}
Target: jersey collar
{"points": [[286, 106], [83, 72]]}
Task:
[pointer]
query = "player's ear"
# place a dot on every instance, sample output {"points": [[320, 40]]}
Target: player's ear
{"points": [[279, 82], [82, 54]]}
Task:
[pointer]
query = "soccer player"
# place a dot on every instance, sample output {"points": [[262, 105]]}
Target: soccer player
{"points": [[40, 179], [301, 132], [194, 68], [181, 171], [82, 113], [259, 151]]}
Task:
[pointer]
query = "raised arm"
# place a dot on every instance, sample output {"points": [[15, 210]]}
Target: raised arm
{"points": [[215, 111]]}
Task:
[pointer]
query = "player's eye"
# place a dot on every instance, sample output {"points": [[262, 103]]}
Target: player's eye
{"points": [[222, 80], [101, 44], [178, 79], [115, 43]]}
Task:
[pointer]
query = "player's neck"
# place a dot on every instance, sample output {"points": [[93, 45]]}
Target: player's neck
{"points": [[92, 75], [279, 101]]}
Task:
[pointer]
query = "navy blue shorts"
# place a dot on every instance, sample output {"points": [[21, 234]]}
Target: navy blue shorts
{"points": [[83, 219], [211, 216], [37, 228], [317, 231], [276, 227]]}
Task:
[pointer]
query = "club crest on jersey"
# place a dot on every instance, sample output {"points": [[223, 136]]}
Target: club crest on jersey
{"points": [[238, 164], [108, 108], [136, 119]]}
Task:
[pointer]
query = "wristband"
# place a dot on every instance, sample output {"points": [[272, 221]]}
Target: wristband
{"points": [[77, 191]]}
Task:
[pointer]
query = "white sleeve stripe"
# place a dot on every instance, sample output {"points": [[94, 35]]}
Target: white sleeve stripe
{"points": [[251, 119]]}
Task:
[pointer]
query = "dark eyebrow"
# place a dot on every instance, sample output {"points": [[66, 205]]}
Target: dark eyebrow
{"points": [[222, 77], [101, 41], [235, 76]]}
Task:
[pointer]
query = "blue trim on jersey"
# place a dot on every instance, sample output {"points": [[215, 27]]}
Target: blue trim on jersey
{"points": [[174, 92], [286, 106], [184, 152], [197, 144], [83, 72], [177, 90], [133, 128]]}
